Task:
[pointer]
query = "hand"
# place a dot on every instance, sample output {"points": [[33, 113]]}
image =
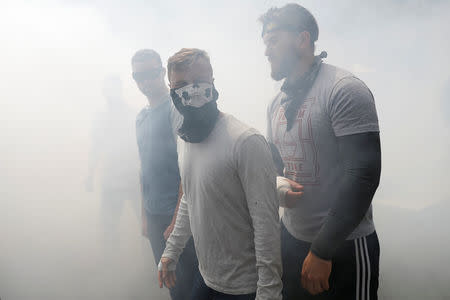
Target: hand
{"points": [[144, 229], [166, 277], [292, 197], [315, 274], [168, 231]]}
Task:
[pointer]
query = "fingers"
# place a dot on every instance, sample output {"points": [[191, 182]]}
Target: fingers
{"points": [[294, 195], [303, 281], [316, 287], [292, 198], [295, 186], [313, 286], [166, 277], [170, 279], [160, 279], [325, 285]]}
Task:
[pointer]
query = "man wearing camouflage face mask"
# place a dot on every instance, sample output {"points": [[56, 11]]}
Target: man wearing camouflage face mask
{"points": [[197, 103], [230, 204]]}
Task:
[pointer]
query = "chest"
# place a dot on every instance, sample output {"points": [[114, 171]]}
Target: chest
{"points": [[207, 168], [154, 134], [302, 148], [311, 124]]}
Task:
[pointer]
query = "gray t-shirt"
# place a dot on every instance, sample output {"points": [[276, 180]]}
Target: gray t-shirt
{"points": [[338, 104], [230, 206]]}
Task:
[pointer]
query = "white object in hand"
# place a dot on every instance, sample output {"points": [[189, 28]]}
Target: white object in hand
{"points": [[283, 186]]}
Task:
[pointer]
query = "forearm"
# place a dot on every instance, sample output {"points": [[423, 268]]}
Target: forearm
{"points": [[180, 194], [268, 253], [262, 202], [180, 234], [263, 208], [361, 157]]}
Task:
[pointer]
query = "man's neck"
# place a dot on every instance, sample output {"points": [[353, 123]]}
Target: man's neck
{"points": [[157, 98], [302, 67]]}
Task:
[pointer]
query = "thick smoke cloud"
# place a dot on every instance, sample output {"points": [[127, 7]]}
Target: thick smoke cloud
{"points": [[56, 54]]}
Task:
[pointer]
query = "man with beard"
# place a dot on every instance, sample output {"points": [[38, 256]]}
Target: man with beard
{"points": [[230, 204], [325, 125], [160, 177]]}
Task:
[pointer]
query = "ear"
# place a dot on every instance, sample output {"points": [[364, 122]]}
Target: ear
{"points": [[304, 40]]}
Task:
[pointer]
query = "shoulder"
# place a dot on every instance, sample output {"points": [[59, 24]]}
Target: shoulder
{"points": [[242, 134], [250, 146], [275, 102], [234, 127], [338, 78], [350, 84], [142, 115]]}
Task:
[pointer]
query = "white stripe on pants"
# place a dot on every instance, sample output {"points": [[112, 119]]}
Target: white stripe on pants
{"points": [[362, 269]]}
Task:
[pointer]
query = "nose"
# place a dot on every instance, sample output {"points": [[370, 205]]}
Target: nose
{"points": [[269, 51]]}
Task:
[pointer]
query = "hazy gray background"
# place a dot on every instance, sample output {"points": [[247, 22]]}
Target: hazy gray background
{"points": [[54, 56]]}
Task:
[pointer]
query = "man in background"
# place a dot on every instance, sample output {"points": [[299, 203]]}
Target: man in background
{"points": [[160, 178], [113, 155], [325, 125]]}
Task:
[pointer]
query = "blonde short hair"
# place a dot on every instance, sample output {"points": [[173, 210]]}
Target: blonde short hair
{"points": [[185, 58]]}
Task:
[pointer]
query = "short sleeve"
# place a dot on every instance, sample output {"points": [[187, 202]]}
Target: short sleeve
{"points": [[351, 108], [269, 117]]}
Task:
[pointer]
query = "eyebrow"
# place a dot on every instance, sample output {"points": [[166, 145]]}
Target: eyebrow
{"points": [[180, 84]]}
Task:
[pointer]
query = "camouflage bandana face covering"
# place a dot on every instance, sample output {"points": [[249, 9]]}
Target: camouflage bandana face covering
{"points": [[195, 95], [197, 104]]}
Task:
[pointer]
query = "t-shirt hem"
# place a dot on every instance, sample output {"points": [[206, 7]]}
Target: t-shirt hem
{"points": [[356, 130], [357, 233], [229, 290], [159, 213]]}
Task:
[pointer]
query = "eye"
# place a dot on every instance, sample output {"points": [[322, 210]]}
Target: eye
{"points": [[273, 41]]}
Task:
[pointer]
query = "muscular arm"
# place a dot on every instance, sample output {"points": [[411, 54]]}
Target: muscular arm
{"points": [[360, 155], [254, 157]]}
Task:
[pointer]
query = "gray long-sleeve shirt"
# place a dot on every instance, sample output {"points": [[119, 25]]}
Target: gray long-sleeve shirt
{"points": [[230, 207]]}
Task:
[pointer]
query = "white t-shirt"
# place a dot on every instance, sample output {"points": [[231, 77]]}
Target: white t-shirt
{"points": [[230, 206]]}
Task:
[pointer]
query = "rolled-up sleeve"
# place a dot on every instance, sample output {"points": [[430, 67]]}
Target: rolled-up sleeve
{"points": [[258, 177]]}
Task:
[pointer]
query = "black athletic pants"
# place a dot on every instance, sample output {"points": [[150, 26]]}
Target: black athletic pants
{"points": [[354, 273], [202, 292]]}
